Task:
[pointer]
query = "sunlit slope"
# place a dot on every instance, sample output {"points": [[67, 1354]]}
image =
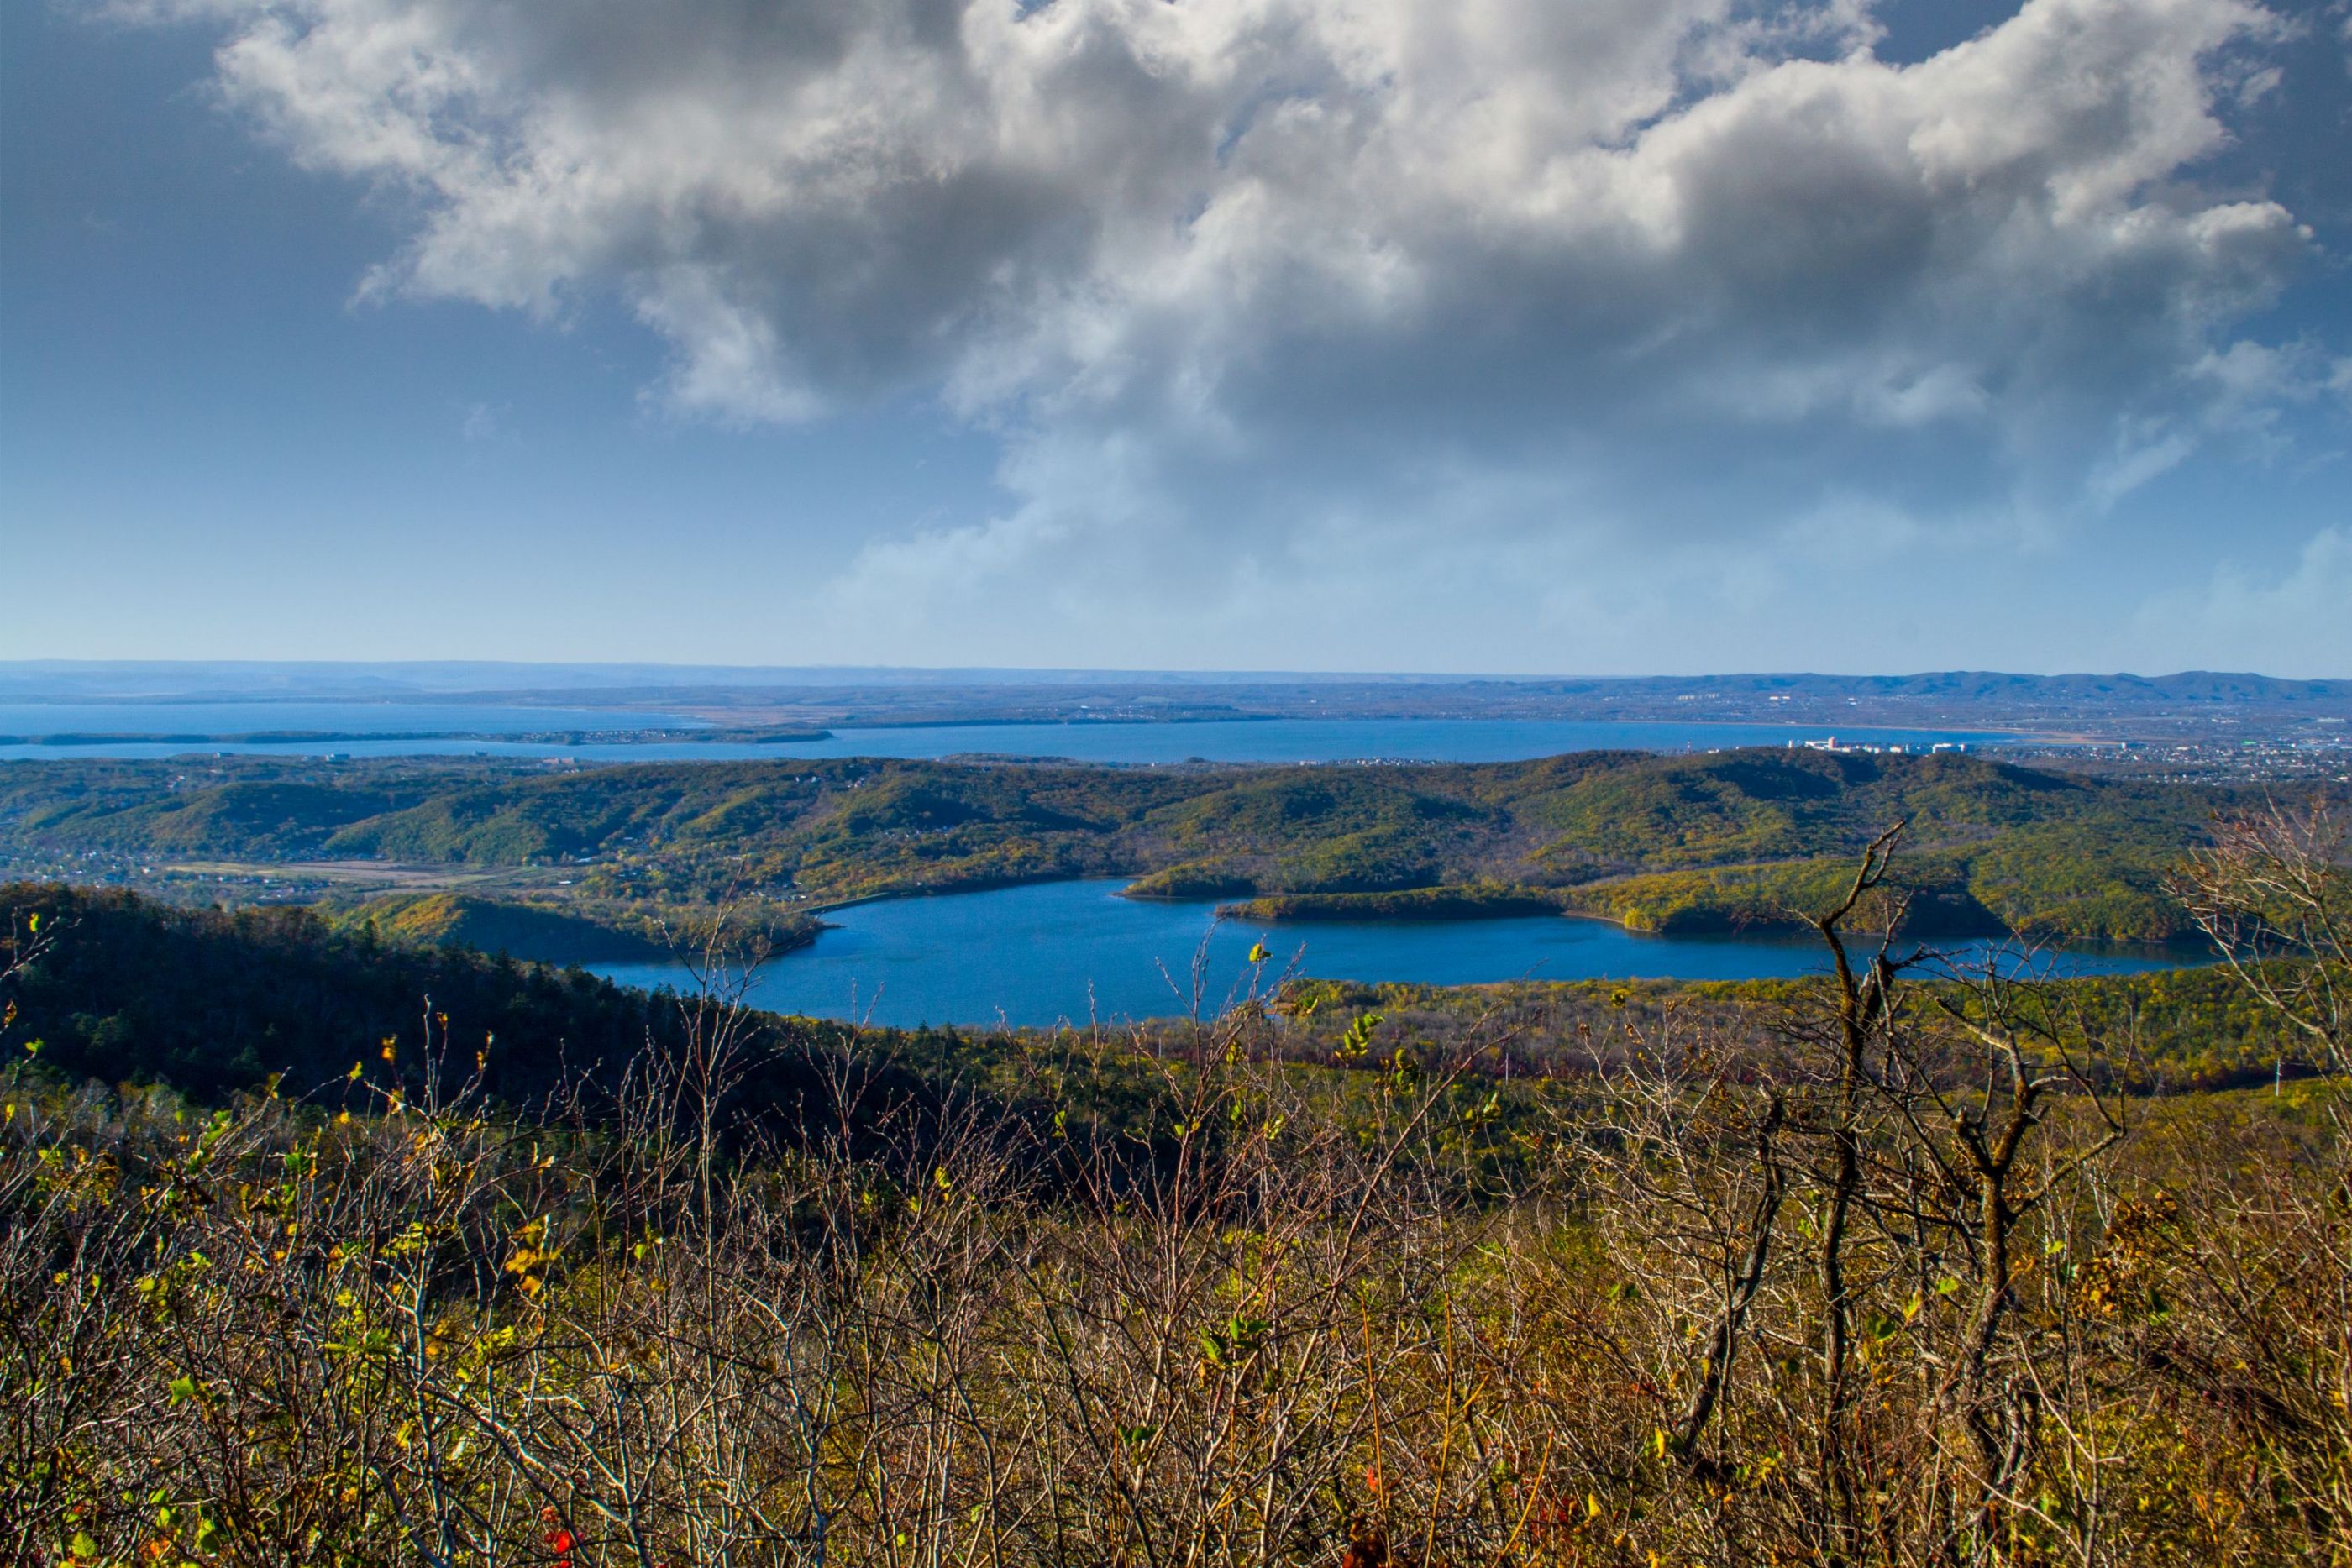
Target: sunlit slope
{"points": [[1661, 842]]}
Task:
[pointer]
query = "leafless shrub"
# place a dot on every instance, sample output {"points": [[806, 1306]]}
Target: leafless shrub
{"points": [[1893, 1288]]}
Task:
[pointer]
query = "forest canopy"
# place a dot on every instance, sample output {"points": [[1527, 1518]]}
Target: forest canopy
{"points": [[1660, 842]]}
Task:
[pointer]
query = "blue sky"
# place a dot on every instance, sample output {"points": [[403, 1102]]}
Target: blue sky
{"points": [[1301, 333]]}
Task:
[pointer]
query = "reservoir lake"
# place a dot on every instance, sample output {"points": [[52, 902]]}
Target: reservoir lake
{"points": [[1051, 953]]}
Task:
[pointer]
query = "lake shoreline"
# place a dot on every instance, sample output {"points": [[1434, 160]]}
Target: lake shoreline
{"points": [[1046, 952]]}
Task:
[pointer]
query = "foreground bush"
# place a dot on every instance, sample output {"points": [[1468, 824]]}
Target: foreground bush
{"points": [[1905, 1287]]}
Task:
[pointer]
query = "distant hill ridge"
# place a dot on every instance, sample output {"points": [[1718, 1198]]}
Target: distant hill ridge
{"points": [[63, 681], [1991, 685]]}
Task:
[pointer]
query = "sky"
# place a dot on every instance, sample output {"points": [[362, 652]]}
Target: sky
{"points": [[1614, 337]]}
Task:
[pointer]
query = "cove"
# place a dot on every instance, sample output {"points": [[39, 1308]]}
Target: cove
{"points": [[1050, 953]]}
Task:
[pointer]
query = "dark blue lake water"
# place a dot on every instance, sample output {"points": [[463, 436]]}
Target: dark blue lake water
{"points": [[1266, 740], [1072, 951]]}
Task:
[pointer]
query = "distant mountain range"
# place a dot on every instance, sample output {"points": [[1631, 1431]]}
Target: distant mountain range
{"points": [[2186, 687], [94, 681]]}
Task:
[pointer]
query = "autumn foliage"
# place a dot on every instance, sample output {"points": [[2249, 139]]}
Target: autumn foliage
{"points": [[1908, 1281]]}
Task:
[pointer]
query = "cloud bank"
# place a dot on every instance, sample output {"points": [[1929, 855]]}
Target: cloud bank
{"points": [[1295, 307]]}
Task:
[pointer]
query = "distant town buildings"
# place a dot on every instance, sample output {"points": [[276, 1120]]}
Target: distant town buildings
{"points": [[1894, 750]]}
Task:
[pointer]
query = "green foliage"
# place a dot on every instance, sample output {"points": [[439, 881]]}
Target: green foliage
{"points": [[216, 1003], [574, 931], [1193, 879], [1729, 898], [1662, 842], [1464, 901], [2081, 879], [213, 1001]]}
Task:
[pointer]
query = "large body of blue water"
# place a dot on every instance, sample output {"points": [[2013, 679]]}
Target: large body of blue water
{"points": [[1263, 740], [166, 718], [1076, 951]]}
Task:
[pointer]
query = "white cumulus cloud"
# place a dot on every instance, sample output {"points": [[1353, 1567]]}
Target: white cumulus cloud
{"points": [[1243, 283]]}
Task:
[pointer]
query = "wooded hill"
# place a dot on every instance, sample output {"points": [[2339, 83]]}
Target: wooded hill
{"points": [[564, 931], [1660, 842], [215, 1002]]}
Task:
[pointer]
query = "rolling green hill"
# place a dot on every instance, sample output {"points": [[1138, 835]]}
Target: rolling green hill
{"points": [[1660, 842]]}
